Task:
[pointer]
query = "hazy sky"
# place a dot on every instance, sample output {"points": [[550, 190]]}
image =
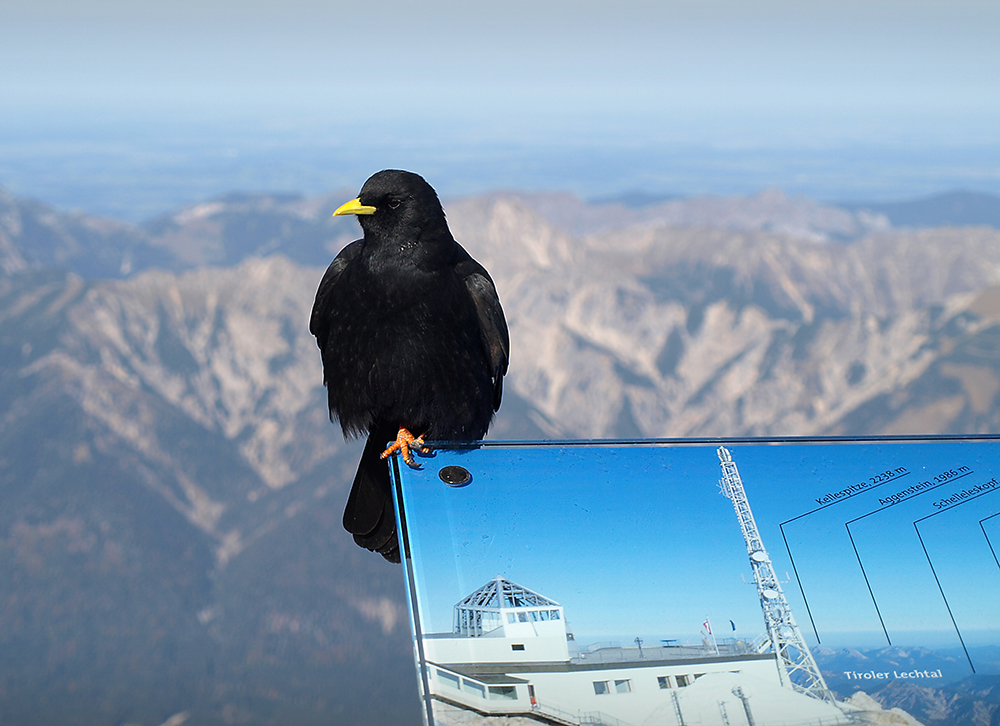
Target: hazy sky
{"points": [[133, 108], [529, 65]]}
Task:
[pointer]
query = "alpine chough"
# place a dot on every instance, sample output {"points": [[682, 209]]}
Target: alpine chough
{"points": [[413, 340]]}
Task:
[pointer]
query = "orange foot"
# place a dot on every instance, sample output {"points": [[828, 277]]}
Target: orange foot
{"points": [[404, 442]]}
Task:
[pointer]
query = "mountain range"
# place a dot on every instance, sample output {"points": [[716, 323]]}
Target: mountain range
{"points": [[170, 542], [966, 700]]}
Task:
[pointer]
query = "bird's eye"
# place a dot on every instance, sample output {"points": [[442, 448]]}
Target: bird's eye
{"points": [[394, 203]]}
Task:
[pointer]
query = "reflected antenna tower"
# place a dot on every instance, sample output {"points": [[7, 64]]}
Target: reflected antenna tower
{"points": [[796, 666]]}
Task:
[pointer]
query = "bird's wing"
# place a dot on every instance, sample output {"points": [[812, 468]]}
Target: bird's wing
{"points": [[492, 324], [318, 322]]}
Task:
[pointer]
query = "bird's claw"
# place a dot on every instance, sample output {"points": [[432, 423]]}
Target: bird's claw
{"points": [[403, 443]]}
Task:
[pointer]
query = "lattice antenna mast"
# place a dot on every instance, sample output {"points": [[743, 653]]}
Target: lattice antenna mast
{"points": [[796, 666]]}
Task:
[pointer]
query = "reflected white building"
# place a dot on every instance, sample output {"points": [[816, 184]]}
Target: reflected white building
{"points": [[509, 655], [502, 622]]}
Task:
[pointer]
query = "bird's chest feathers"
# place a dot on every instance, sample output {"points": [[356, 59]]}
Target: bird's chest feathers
{"points": [[393, 290], [407, 349], [395, 313]]}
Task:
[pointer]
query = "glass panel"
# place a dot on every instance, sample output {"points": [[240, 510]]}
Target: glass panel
{"points": [[476, 689], [503, 693], [674, 557], [449, 679]]}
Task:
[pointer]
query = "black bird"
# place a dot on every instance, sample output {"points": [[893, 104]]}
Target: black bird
{"points": [[413, 339]]}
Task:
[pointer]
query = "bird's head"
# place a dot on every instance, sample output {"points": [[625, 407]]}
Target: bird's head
{"points": [[398, 208]]}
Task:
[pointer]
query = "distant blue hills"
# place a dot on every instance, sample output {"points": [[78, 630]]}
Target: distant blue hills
{"points": [[959, 208], [951, 209]]}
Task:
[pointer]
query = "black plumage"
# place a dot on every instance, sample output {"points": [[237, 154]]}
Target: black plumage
{"points": [[413, 341]]}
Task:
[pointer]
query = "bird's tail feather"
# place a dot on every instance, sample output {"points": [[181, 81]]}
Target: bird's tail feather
{"points": [[370, 515]]}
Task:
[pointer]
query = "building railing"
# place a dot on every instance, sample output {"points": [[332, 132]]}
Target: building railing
{"points": [[617, 654], [596, 718], [580, 718]]}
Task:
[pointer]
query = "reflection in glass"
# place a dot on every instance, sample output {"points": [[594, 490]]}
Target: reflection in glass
{"points": [[612, 583]]}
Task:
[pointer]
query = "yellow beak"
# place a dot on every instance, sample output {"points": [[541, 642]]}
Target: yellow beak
{"points": [[354, 207]]}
